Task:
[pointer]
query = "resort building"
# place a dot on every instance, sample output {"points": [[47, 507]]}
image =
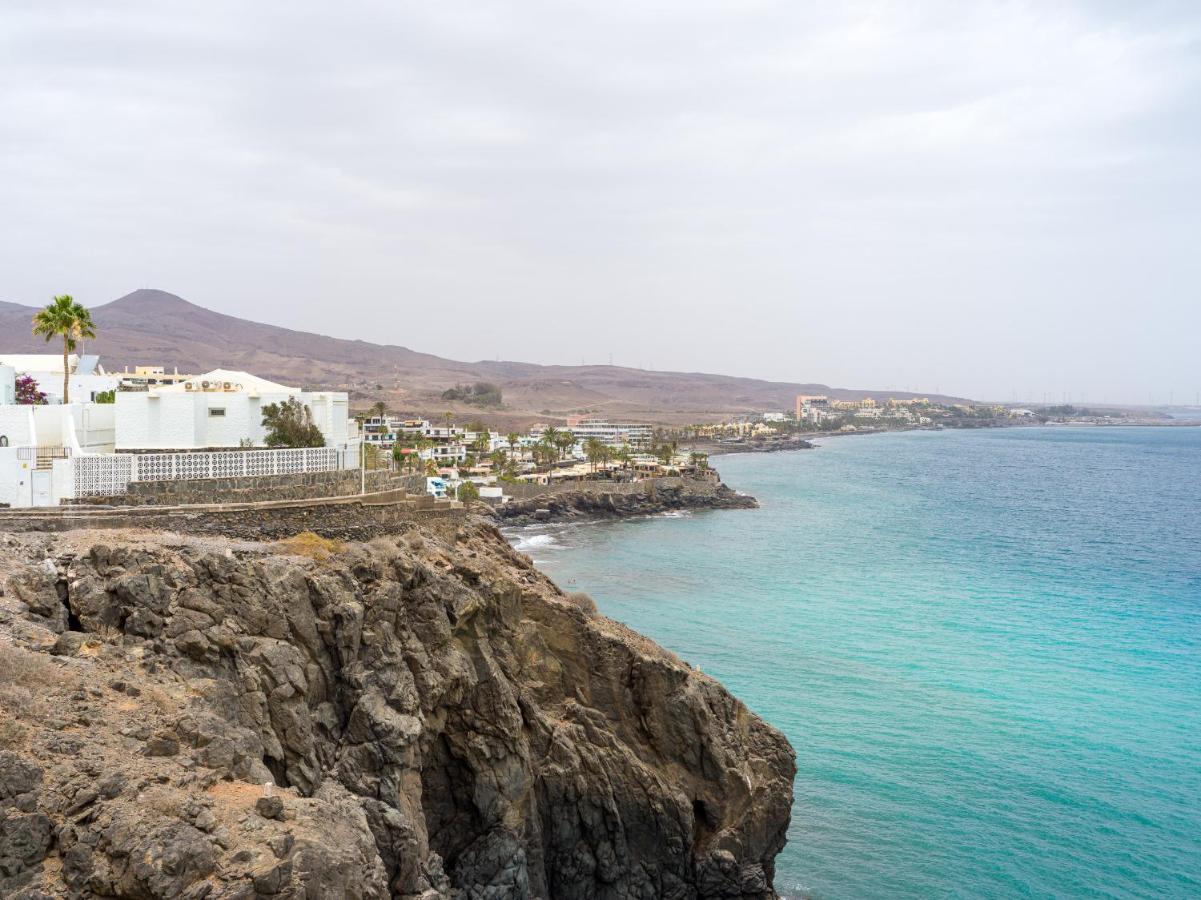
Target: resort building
{"points": [[221, 408], [611, 434], [812, 407], [143, 377]]}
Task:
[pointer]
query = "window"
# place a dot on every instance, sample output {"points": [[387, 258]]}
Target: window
{"points": [[3, 440], [216, 411]]}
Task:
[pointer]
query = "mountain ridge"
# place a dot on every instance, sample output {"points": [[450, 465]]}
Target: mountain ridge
{"points": [[154, 327]]}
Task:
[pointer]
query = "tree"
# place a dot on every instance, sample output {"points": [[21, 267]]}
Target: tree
{"points": [[64, 318], [379, 409], [482, 393], [27, 391], [512, 438], [565, 441], [371, 458], [595, 451], [290, 424], [106, 396], [468, 491]]}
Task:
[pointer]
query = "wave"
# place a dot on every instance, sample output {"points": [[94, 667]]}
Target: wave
{"points": [[528, 542]]}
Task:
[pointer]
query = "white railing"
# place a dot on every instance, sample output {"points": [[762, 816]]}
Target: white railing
{"points": [[101, 475], [110, 474], [232, 464]]}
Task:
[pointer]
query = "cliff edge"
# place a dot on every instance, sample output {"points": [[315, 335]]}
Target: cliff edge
{"points": [[435, 719]]}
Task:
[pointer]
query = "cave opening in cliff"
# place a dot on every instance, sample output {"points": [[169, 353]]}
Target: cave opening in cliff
{"points": [[278, 769], [64, 597], [447, 786]]}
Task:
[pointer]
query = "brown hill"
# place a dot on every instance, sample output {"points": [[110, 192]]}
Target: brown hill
{"points": [[151, 327]]}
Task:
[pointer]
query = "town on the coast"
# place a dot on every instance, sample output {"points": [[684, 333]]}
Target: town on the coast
{"points": [[75, 433]]}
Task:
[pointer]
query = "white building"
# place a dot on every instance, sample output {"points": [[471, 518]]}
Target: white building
{"points": [[87, 377], [221, 408], [611, 434]]}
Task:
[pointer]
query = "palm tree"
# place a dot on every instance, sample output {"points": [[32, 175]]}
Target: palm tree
{"points": [[513, 438], [379, 409], [565, 441], [595, 451], [63, 316]]}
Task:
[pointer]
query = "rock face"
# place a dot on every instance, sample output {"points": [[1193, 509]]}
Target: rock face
{"points": [[434, 717], [594, 502]]}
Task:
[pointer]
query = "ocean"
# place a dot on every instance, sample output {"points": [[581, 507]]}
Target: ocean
{"points": [[985, 647]]}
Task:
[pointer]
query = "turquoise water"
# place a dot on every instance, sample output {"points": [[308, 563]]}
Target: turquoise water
{"points": [[984, 646]]}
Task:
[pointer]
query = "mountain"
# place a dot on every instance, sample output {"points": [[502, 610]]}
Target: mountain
{"points": [[152, 327]]}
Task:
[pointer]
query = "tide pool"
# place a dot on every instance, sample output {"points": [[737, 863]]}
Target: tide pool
{"points": [[985, 648]]}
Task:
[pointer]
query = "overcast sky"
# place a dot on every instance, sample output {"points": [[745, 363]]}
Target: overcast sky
{"points": [[996, 200]]}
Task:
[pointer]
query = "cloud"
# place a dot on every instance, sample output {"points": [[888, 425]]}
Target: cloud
{"points": [[848, 192]]}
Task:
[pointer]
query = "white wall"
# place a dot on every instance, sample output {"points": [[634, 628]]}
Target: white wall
{"points": [[95, 427], [8, 385], [15, 487], [17, 427], [16, 424], [49, 424], [170, 420]]}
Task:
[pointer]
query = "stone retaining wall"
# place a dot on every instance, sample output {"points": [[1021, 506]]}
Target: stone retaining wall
{"points": [[351, 518], [252, 489]]}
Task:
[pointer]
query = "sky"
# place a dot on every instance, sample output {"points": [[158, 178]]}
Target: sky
{"points": [[995, 200]]}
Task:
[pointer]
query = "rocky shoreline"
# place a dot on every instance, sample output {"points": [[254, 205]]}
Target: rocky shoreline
{"points": [[595, 502], [791, 443], [421, 716]]}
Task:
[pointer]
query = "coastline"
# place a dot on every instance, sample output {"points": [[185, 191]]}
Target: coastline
{"points": [[599, 501], [713, 448]]}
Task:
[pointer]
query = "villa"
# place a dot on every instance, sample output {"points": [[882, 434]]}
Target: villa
{"points": [[54, 452], [221, 408]]}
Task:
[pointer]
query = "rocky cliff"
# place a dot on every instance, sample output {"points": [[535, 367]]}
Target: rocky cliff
{"points": [[423, 716]]}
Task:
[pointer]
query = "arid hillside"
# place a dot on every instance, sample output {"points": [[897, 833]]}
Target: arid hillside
{"points": [[151, 327]]}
